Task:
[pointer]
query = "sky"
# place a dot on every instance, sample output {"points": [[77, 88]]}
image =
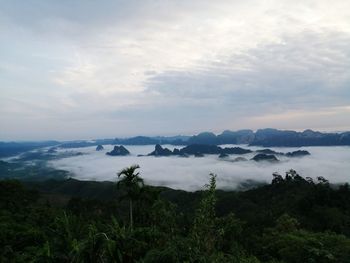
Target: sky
{"points": [[74, 69]]}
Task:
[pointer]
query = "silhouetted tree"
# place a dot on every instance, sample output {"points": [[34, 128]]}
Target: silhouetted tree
{"points": [[277, 178], [132, 184]]}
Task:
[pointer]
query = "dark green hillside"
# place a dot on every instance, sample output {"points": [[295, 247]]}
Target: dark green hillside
{"points": [[293, 219], [37, 172]]}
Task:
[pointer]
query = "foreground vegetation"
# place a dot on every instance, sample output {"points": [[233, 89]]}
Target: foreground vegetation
{"points": [[290, 220]]}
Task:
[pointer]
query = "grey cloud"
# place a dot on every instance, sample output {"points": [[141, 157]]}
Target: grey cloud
{"points": [[308, 70], [125, 67], [82, 20]]}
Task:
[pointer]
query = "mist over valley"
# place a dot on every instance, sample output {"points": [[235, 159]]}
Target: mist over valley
{"points": [[192, 173]]}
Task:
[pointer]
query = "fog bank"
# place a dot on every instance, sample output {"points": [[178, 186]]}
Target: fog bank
{"points": [[192, 173]]}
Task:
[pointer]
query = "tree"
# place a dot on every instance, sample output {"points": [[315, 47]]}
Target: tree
{"points": [[277, 178], [204, 232], [132, 184]]}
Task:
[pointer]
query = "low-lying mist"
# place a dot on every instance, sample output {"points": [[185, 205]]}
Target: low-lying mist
{"points": [[192, 173]]}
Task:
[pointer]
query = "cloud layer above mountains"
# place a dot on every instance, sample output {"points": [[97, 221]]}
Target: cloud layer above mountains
{"points": [[193, 173], [73, 69]]}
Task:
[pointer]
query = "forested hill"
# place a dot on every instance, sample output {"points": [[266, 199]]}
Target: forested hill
{"points": [[293, 219]]}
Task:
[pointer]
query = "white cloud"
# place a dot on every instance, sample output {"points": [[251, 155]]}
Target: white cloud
{"points": [[108, 60], [192, 173]]}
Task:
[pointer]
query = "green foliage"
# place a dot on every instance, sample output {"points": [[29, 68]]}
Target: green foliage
{"points": [[204, 232], [130, 181], [291, 220], [37, 171], [304, 246]]}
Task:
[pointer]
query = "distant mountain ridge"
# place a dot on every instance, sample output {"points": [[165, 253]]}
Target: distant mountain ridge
{"points": [[262, 137], [273, 138]]}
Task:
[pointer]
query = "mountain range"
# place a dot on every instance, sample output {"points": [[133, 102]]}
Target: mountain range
{"points": [[262, 137]]}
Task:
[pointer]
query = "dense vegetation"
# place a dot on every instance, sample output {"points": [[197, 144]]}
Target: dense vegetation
{"points": [[36, 172], [293, 219]]}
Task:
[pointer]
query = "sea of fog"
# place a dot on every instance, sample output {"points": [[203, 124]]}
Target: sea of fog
{"points": [[192, 173]]}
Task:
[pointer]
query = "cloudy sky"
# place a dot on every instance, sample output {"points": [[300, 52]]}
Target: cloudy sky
{"points": [[73, 69]]}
